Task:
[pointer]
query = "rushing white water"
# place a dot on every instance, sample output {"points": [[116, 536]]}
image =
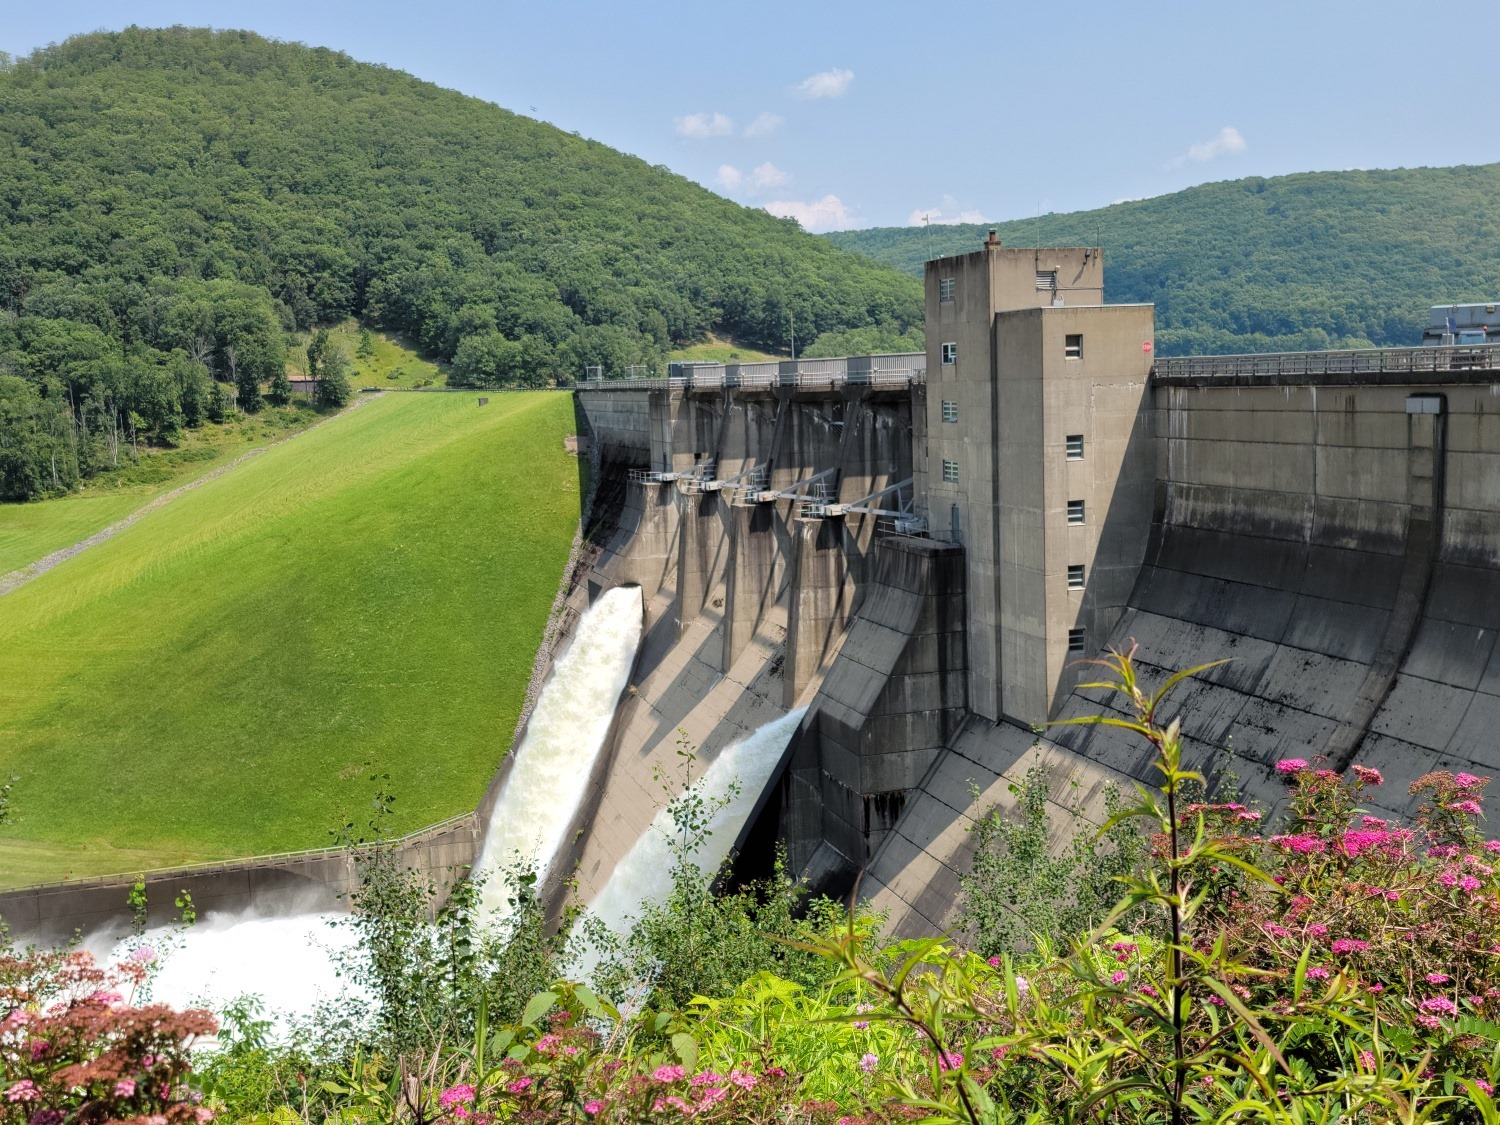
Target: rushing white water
{"points": [[734, 781], [563, 740], [290, 963], [289, 957]]}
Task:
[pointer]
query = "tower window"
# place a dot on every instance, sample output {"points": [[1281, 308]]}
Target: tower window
{"points": [[950, 354], [946, 288], [950, 472], [1075, 576], [1073, 346], [950, 411], [1075, 642], [1074, 447], [1075, 511], [1046, 280]]}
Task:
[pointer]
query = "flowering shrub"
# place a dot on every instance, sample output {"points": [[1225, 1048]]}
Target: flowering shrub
{"points": [[74, 1049], [1341, 969]]}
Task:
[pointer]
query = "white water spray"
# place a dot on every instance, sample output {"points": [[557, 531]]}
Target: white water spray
{"points": [[563, 741], [734, 781], [290, 957]]}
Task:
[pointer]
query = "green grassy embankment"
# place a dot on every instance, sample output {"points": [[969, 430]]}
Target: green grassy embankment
{"points": [[32, 531], [210, 682]]}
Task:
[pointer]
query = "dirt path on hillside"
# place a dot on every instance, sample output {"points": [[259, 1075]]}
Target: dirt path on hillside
{"points": [[18, 578]]}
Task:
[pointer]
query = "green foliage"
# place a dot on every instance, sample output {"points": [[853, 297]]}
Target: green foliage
{"points": [[333, 189], [1318, 260], [874, 340], [1017, 889], [328, 368]]}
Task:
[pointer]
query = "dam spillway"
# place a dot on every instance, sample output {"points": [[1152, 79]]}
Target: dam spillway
{"points": [[1328, 522]]}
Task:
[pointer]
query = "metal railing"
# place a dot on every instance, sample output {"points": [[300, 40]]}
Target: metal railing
{"points": [[269, 859], [1366, 361], [719, 380]]}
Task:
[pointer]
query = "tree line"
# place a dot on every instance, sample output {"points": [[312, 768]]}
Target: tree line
{"points": [[148, 167]]}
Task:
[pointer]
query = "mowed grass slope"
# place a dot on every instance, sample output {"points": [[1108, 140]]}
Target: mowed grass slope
{"points": [[210, 682]]}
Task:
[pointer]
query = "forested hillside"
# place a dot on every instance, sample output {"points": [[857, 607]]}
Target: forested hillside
{"points": [[1325, 259], [174, 203]]}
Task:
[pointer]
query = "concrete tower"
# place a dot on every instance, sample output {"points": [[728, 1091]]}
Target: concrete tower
{"points": [[1038, 461]]}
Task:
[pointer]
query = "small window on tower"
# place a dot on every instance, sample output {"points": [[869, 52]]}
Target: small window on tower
{"points": [[946, 288], [950, 354], [950, 411], [1075, 642], [1075, 576], [1075, 511], [1046, 280], [1073, 346], [1075, 447], [950, 472]]}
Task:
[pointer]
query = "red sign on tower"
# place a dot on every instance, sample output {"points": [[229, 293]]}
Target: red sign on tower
{"points": [[1146, 347]]}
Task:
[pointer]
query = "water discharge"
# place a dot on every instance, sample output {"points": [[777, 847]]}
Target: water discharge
{"points": [[563, 740], [733, 781], [290, 957]]}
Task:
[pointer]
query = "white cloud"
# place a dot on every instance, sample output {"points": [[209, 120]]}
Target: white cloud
{"points": [[699, 125], [729, 176], [826, 84], [828, 213], [1227, 141], [936, 217], [763, 126], [768, 175]]}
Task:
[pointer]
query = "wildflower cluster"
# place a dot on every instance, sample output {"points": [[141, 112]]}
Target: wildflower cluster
{"points": [[74, 1048]]}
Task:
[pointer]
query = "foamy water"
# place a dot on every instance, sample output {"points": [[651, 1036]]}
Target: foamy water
{"points": [[737, 777], [290, 958], [563, 741]]}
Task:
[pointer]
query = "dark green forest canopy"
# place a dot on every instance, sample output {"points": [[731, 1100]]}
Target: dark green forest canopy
{"points": [[1319, 260], [344, 188]]}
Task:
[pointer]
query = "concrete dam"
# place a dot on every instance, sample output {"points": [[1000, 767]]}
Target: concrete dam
{"points": [[919, 549], [910, 554]]}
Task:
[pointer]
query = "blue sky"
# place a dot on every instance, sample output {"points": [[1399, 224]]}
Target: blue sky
{"points": [[873, 113]]}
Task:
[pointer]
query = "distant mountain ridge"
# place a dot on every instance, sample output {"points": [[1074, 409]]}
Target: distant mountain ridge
{"points": [[142, 158], [1315, 260]]}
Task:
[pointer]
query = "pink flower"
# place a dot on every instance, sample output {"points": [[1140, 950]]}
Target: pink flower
{"points": [[1350, 945], [707, 1078], [125, 1088], [456, 1095], [1277, 931], [1124, 950], [1492, 845], [1469, 883], [1367, 1059], [1465, 780], [743, 1080], [1147, 990], [1118, 976], [950, 1060], [1376, 988], [1368, 775], [1483, 1085], [1250, 816], [1290, 765], [1432, 1023], [667, 1073], [593, 1107], [23, 1091], [143, 954], [1448, 878], [1317, 929], [712, 1095], [868, 1062], [519, 1085], [1440, 1004], [994, 962], [546, 1044], [1437, 978], [1216, 1001], [1316, 972], [999, 1053], [1393, 896], [1470, 807]]}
